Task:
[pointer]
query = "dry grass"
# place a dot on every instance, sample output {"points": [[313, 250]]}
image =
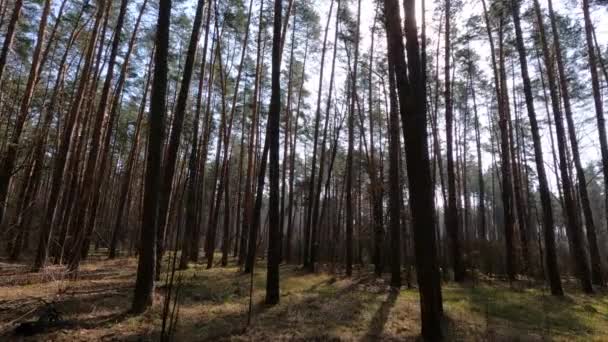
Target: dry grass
{"points": [[313, 307]]}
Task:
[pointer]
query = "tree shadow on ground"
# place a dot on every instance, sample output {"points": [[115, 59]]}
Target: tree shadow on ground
{"points": [[381, 316], [309, 314], [91, 310], [73, 300], [530, 314], [222, 284], [20, 274]]}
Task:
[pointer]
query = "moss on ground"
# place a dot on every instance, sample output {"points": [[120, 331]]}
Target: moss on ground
{"points": [[322, 306]]}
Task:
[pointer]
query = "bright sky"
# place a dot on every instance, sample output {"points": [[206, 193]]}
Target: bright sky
{"points": [[584, 114], [587, 132]]}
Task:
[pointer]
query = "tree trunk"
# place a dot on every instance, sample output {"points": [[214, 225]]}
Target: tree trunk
{"points": [[596, 264], [8, 37], [572, 228], [10, 155], [193, 177], [175, 136], [64, 144], [287, 133], [94, 172], [314, 245], [311, 184], [601, 124], [394, 196], [376, 184], [545, 194], [129, 168], [126, 180], [482, 230], [452, 225], [144, 284], [202, 163], [226, 232], [272, 135], [290, 221], [350, 155], [505, 164], [248, 246], [412, 100]]}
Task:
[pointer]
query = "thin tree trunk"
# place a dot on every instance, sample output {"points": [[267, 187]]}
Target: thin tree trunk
{"points": [[226, 232], [290, 221], [287, 132], [193, 177], [505, 165], [553, 274], [595, 62], [10, 155], [573, 230], [452, 225], [8, 37], [129, 168], [596, 264], [64, 145], [394, 196], [248, 249], [482, 230], [311, 183], [518, 197], [601, 124], [376, 184], [94, 171], [314, 245], [350, 155], [202, 167]]}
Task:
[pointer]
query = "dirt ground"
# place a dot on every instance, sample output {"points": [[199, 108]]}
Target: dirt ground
{"points": [[316, 307]]}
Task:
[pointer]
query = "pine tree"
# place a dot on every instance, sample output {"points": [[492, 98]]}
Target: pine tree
{"points": [[144, 284]]}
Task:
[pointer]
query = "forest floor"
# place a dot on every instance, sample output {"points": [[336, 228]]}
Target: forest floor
{"points": [[319, 307]]}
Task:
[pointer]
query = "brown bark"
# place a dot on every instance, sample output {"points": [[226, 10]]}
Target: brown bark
{"points": [[596, 265], [572, 228], [10, 155], [601, 125], [482, 229], [316, 199], [10, 33], [129, 167], [287, 135], [202, 163], [350, 154], [452, 224], [311, 182], [94, 171], [291, 212], [272, 135], [518, 196], [64, 145], [412, 100], [194, 180], [503, 104], [394, 196], [376, 184], [545, 194], [144, 284], [505, 160], [248, 236], [219, 167], [175, 136]]}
